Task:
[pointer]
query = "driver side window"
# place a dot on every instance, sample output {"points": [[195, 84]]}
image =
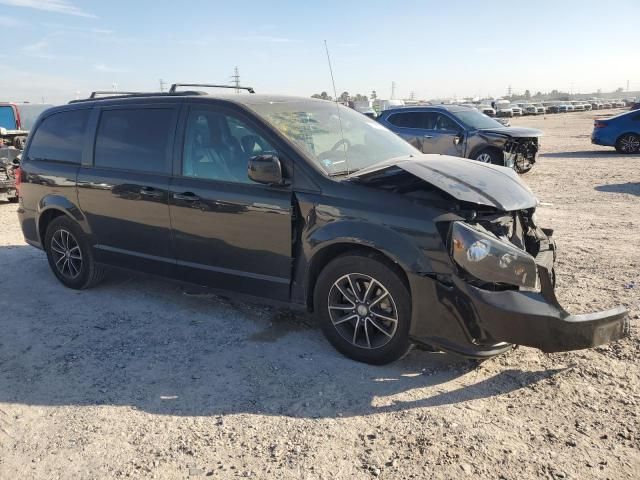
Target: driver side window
{"points": [[218, 146], [445, 123]]}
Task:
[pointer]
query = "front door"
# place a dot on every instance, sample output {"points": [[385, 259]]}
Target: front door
{"points": [[228, 231], [123, 187], [445, 138]]}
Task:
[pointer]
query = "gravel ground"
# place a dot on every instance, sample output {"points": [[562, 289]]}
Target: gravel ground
{"points": [[143, 378]]}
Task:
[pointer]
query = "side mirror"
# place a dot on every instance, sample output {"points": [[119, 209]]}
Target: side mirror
{"points": [[265, 169]]}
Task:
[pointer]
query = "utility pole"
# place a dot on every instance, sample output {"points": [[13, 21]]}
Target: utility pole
{"points": [[162, 84], [509, 91], [236, 79], [114, 87], [393, 90], [627, 86], [412, 95]]}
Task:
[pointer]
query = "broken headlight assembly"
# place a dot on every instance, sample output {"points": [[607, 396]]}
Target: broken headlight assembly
{"points": [[491, 260]]}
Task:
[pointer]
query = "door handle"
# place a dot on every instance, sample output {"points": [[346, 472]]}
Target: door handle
{"points": [[186, 196], [150, 192], [427, 136]]}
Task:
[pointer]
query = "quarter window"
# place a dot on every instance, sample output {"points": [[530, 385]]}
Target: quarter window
{"points": [[218, 147], [60, 137], [135, 139]]}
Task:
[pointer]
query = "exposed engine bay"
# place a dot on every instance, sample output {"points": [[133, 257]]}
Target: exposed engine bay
{"points": [[521, 152]]}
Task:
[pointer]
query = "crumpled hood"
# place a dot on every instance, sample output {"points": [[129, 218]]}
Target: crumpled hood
{"points": [[515, 132], [466, 180]]}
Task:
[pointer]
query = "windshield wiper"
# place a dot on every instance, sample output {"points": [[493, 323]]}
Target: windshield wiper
{"points": [[342, 173]]}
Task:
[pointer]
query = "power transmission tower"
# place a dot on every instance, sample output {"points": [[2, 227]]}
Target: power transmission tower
{"points": [[162, 84], [412, 95], [236, 79]]}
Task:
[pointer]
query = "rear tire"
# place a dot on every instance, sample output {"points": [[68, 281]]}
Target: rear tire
{"points": [[628, 143], [364, 308], [70, 256]]}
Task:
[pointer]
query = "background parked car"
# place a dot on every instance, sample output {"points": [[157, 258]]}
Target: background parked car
{"points": [[540, 108], [577, 106], [621, 131], [528, 109], [517, 111], [487, 110], [504, 109], [464, 132]]}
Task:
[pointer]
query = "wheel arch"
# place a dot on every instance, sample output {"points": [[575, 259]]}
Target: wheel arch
{"points": [[393, 249], [481, 148], [637, 134], [53, 206]]}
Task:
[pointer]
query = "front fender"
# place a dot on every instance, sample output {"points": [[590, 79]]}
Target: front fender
{"points": [[482, 141], [390, 243]]}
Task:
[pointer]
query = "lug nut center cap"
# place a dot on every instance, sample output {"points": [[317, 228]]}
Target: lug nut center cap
{"points": [[362, 310]]}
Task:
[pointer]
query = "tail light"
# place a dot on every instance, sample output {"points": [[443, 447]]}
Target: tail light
{"points": [[599, 124], [17, 173]]}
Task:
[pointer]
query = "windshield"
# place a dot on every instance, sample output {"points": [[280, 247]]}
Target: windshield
{"points": [[337, 144], [7, 118], [475, 119]]}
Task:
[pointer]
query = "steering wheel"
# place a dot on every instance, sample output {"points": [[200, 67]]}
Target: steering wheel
{"points": [[331, 153], [339, 143]]}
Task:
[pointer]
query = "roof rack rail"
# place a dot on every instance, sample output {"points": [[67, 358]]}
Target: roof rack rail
{"points": [[111, 93], [236, 87]]}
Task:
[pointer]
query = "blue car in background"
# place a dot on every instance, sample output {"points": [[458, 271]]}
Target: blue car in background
{"points": [[621, 132]]}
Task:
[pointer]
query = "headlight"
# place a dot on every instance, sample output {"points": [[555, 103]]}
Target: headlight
{"points": [[491, 260]]}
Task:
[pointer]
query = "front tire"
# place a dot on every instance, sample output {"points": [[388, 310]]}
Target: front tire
{"points": [[70, 256], [490, 155], [364, 308], [628, 143]]}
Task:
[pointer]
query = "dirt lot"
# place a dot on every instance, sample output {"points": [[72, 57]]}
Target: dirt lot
{"points": [[140, 378]]}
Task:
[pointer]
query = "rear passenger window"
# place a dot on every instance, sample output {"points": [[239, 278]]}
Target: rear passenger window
{"points": [[423, 120], [134, 139], [60, 137]]}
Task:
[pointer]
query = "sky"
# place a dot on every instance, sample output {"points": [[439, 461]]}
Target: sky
{"points": [[57, 50]]}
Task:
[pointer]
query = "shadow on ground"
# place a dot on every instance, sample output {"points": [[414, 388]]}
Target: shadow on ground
{"points": [[142, 342], [584, 154], [632, 188]]}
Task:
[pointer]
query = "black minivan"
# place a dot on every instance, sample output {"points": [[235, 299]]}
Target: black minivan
{"points": [[303, 201]]}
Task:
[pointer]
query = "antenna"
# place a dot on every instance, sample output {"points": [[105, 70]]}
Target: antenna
{"points": [[335, 95]]}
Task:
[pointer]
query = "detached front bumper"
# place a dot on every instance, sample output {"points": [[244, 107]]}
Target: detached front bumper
{"points": [[537, 319], [454, 315]]}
